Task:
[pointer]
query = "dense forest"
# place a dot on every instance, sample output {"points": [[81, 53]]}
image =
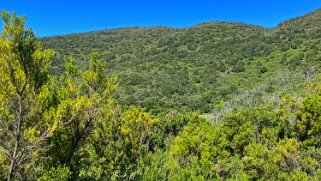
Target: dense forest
{"points": [[217, 101]]}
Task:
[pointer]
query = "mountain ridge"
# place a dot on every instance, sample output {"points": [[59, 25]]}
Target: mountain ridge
{"points": [[192, 26], [155, 27]]}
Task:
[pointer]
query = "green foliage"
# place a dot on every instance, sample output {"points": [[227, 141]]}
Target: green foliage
{"points": [[262, 143], [263, 69], [239, 67], [59, 173], [119, 150], [27, 96], [191, 69], [85, 126], [196, 152], [161, 68]]}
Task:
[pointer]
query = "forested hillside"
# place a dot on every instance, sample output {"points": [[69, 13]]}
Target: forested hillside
{"points": [[195, 69], [217, 101]]}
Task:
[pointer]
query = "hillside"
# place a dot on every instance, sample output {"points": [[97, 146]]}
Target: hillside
{"points": [[217, 101], [195, 69]]}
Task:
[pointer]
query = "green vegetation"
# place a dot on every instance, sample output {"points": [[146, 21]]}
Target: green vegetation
{"points": [[195, 69], [218, 101]]}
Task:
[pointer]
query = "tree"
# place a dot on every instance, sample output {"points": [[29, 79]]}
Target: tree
{"points": [[83, 96], [198, 153], [119, 145], [27, 97]]}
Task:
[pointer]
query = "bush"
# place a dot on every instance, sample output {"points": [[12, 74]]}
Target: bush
{"points": [[238, 68], [263, 69]]}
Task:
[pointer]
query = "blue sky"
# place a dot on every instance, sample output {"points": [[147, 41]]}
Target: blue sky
{"points": [[57, 17]]}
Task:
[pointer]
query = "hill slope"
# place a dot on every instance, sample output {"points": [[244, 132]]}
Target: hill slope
{"points": [[198, 68]]}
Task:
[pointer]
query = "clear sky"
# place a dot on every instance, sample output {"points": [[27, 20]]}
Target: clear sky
{"points": [[57, 17]]}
